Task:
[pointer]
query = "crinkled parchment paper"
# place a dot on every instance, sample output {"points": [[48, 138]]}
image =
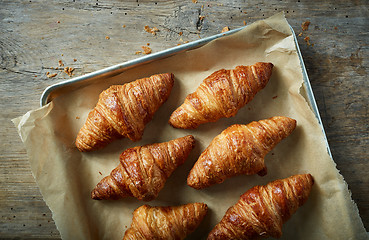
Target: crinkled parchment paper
{"points": [[66, 177]]}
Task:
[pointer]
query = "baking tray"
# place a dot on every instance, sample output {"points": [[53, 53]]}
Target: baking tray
{"points": [[58, 89]]}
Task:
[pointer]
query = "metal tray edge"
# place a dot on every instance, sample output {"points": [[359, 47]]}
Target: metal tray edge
{"points": [[310, 93]]}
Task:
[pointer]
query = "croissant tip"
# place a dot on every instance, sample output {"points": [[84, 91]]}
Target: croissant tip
{"points": [[192, 183], [311, 178], [95, 195], [191, 140]]}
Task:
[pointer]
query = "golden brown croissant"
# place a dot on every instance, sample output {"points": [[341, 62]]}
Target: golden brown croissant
{"points": [[239, 149], [143, 171], [221, 94], [123, 111], [165, 222], [262, 210]]}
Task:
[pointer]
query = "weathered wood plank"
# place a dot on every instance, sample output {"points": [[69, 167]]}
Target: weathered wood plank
{"points": [[35, 35]]}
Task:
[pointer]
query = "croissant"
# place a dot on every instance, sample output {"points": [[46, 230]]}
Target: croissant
{"points": [[239, 149], [262, 210], [123, 111], [165, 222], [221, 94], [143, 170]]}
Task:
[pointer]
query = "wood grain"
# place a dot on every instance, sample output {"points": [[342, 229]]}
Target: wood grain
{"points": [[89, 35]]}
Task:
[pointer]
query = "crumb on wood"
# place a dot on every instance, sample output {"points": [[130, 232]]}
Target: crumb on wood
{"points": [[153, 30], [74, 60], [77, 117], [69, 71], [201, 18], [148, 44], [300, 34], [146, 50], [180, 33], [61, 63], [62, 54], [100, 173], [194, 1], [307, 40], [335, 28], [124, 26], [35, 76], [51, 75], [186, 41], [305, 25], [225, 29], [274, 97], [244, 23], [58, 22], [107, 37], [138, 52]]}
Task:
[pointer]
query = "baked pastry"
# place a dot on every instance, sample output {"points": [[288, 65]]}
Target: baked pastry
{"points": [[262, 210], [239, 149], [221, 94], [123, 111], [169, 223], [143, 171]]}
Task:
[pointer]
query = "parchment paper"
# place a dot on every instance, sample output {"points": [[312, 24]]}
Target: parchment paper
{"points": [[66, 177]]}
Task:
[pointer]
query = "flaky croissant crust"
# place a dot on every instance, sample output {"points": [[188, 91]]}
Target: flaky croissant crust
{"points": [[143, 171], [239, 149], [262, 210], [221, 94], [165, 222], [123, 111]]}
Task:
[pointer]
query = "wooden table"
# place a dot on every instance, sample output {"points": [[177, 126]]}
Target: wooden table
{"points": [[91, 35]]}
